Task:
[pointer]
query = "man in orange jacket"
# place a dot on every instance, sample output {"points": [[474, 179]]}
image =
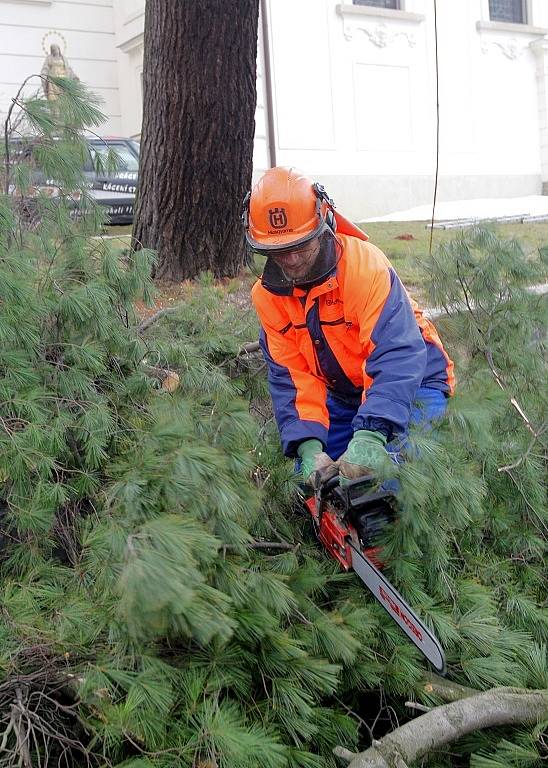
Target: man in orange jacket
{"points": [[352, 362]]}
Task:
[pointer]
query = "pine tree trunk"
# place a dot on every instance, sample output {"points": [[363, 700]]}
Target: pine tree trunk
{"points": [[199, 74]]}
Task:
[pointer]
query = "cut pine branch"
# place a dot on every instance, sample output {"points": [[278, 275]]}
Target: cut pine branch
{"points": [[148, 321], [445, 724], [169, 380], [445, 689]]}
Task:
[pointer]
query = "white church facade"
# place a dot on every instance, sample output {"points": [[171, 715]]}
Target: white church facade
{"points": [[346, 89]]}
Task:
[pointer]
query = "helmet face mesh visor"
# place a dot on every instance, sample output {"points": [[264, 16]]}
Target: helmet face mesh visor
{"points": [[299, 266]]}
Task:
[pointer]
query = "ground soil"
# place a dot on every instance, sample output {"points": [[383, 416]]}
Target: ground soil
{"points": [[168, 295], [238, 292]]}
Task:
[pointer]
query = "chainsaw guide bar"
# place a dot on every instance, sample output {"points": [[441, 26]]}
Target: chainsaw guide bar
{"points": [[346, 521]]}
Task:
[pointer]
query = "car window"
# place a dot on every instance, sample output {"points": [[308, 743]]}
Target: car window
{"points": [[126, 159], [88, 163]]}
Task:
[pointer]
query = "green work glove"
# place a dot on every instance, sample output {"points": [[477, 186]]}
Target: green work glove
{"points": [[365, 453], [315, 460]]}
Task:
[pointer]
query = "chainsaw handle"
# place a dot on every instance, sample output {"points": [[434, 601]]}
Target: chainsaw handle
{"points": [[359, 494], [333, 482], [329, 485]]}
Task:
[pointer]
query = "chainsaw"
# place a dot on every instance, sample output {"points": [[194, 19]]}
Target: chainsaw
{"points": [[347, 521]]}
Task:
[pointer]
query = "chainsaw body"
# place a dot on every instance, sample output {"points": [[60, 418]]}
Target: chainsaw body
{"points": [[355, 513]]}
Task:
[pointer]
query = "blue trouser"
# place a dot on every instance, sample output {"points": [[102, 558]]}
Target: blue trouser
{"points": [[429, 405]]}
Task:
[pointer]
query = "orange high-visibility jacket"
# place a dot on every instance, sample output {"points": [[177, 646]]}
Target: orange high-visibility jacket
{"points": [[357, 334]]}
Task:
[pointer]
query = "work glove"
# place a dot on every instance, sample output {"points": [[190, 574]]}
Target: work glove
{"points": [[365, 454], [316, 465]]}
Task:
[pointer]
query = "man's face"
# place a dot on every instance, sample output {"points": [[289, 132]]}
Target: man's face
{"points": [[297, 264]]}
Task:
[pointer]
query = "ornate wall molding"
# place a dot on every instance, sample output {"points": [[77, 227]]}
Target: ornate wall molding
{"points": [[379, 35], [381, 26], [511, 47]]}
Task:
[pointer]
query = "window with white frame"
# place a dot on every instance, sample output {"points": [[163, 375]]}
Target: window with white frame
{"points": [[512, 11], [394, 4]]}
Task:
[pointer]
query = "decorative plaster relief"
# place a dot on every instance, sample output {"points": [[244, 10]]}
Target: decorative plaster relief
{"points": [[510, 48], [379, 35]]}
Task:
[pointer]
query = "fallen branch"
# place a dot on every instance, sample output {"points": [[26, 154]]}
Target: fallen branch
{"points": [[449, 722], [248, 348], [284, 546], [169, 380], [513, 401], [445, 689], [21, 734], [530, 447], [148, 321], [280, 546]]}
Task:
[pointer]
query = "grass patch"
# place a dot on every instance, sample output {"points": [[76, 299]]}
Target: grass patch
{"points": [[407, 254], [119, 230]]}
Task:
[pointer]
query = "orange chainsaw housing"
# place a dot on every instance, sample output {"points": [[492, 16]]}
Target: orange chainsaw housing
{"points": [[334, 533]]}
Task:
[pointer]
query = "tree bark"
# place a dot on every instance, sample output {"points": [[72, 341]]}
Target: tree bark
{"points": [[442, 725], [199, 91]]}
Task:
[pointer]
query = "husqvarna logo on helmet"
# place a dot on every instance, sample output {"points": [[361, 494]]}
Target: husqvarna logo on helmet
{"points": [[277, 218]]}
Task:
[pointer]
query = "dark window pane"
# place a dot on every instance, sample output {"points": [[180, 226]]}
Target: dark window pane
{"points": [[507, 10], [379, 3]]}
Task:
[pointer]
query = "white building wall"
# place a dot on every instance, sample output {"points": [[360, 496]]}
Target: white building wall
{"points": [[353, 91], [129, 19], [355, 101], [84, 29], [261, 159]]}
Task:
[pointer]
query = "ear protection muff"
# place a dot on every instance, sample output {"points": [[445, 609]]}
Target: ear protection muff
{"points": [[245, 211], [322, 196]]}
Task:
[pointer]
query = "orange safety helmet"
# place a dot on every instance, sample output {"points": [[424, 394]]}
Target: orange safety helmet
{"points": [[286, 209]]}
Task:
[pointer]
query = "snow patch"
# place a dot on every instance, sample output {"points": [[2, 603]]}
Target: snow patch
{"points": [[483, 208]]}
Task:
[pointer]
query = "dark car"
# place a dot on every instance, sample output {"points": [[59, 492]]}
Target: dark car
{"points": [[111, 172], [114, 189]]}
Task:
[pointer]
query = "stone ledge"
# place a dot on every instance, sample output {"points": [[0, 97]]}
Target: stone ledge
{"points": [[502, 26], [344, 9], [132, 43]]}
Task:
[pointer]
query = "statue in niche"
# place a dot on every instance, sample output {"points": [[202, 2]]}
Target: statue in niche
{"points": [[55, 65]]}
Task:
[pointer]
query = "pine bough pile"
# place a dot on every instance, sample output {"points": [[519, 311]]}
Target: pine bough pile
{"points": [[162, 602]]}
